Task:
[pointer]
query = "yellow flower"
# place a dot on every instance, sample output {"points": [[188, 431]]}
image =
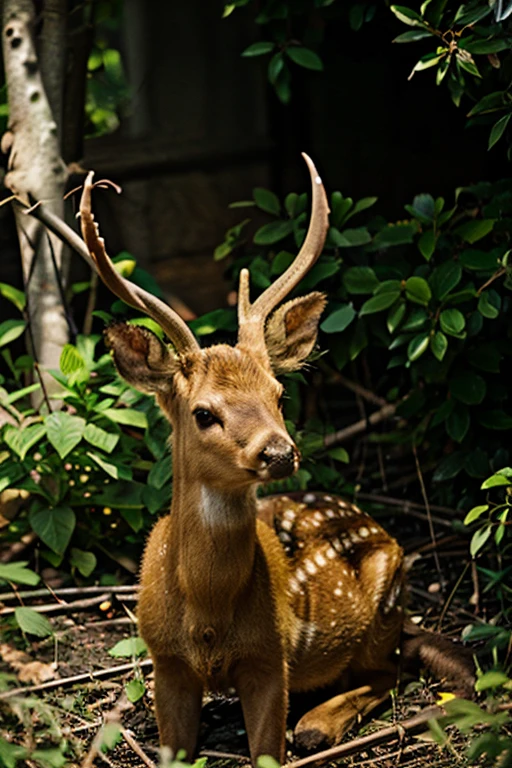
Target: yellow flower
{"points": [[443, 697]]}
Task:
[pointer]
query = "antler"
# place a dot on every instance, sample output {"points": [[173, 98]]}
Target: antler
{"points": [[175, 328], [252, 317]]}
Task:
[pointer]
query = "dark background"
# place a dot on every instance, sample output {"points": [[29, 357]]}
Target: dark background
{"points": [[203, 128]]}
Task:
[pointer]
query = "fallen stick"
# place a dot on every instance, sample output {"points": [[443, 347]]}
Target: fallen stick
{"points": [[67, 592], [77, 605], [87, 677], [386, 412], [405, 504], [135, 746], [372, 740]]}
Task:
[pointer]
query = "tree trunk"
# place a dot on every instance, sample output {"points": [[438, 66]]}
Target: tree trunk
{"points": [[36, 171]]}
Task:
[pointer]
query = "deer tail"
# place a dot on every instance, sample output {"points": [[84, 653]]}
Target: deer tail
{"points": [[449, 662]]}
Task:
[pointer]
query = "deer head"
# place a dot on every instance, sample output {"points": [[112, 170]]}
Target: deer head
{"points": [[224, 402]]}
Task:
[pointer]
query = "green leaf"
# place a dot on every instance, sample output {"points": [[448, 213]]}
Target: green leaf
{"points": [[13, 295], [468, 64], [452, 321], [417, 346], [161, 472], [498, 130], [487, 305], [53, 526], [18, 573], [457, 423], [305, 57], [445, 278], [395, 316], [281, 262], [427, 244], [478, 540], [479, 260], [418, 290], [475, 229], [495, 481], [416, 320], [489, 103], [423, 208], [475, 513], [340, 207], [395, 234], [11, 753], [355, 237], [115, 470], [10, 330], [413, 36], [361, 205], [20, 393], [379, 302], [84, 561], [427, 61], [486, 46], [21, 439], [70, 360], [360, 280], [449, 467], [64, 431], [128, 416], [491, 679], [340, 454], [135, 690], [266, 761], [496, 419], [439, 345], [407, 16], [267, 200], [131, 646], [33, 623], [469, 388], [338, 320], [100, 438], [258, 49], [273, 232]]}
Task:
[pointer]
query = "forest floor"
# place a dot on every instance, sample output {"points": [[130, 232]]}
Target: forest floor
{"points": [[55, 707]]}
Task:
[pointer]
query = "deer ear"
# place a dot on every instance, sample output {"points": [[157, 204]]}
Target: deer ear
{"points": [[291, 331], [141, 358]]}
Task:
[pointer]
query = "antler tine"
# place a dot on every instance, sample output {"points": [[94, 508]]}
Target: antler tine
{"points": [[175, 328], [250, 315]]}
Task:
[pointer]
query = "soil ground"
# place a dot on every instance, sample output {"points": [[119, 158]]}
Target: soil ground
{"points": [[81, 643]]}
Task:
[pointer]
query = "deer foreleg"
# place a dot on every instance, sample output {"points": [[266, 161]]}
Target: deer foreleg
{"points": [[178, 698], [263, 693]]}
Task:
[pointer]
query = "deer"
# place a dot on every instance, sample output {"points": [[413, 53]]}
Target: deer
{"points": [[288, 593]]}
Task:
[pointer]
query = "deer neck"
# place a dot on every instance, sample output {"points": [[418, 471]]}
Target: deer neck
{"points": [[213, 538]]}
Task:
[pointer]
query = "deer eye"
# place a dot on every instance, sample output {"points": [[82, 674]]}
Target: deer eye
{"points": [[205, 418]]}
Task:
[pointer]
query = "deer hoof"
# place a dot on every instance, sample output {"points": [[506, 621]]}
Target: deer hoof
{"points": [[310, 740]]}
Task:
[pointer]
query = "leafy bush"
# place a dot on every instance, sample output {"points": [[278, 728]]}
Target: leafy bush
{"points": [[94, 472], [429, 295]]}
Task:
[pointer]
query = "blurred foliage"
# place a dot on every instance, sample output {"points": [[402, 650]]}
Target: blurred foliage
{"points": [[467, 44], [107, 92]]}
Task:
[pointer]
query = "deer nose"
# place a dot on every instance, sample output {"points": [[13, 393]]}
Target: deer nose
{"points": [[279, 456]]}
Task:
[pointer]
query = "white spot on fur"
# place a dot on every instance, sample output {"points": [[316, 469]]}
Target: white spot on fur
{"points": [[337, 545], [316, 523], [294, 585], [289, 514], [286, 525], [328, 498], [309, 498], [330, 513], [320, 559], [364, 532], [308, 634], [350, 595], [338, 592], [301, 575], [318, 516], [331, 553], [374, 529], [333, 623], [310, 567]]}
